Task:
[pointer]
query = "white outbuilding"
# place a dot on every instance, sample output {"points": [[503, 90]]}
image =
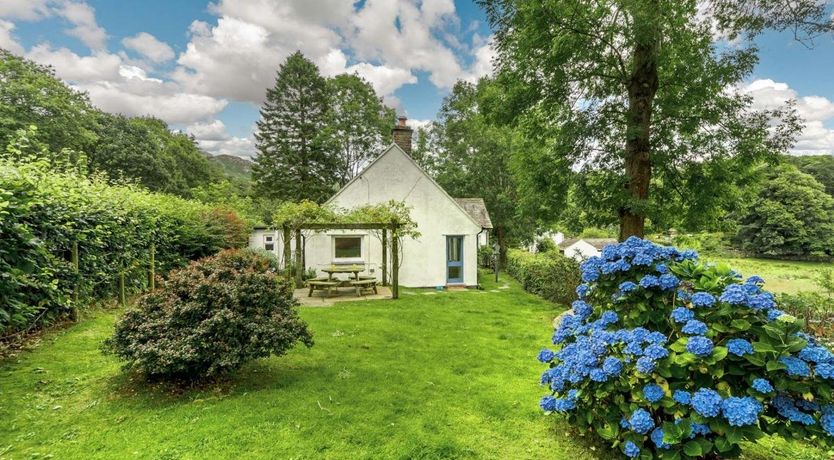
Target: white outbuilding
{"points": [[451, 229], [582, 249]]}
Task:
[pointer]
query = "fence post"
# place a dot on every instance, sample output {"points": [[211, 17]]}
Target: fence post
{"points": [[385, 257], [299, 269], [122, 294], [75, 270], [152, 268], [395, 265], [286, 241]]}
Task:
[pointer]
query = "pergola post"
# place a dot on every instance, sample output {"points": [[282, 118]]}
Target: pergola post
{"points": [[385, 257], [395, 264], [299, 269], [286, 238]]}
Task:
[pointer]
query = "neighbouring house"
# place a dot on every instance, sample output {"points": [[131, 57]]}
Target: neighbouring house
{"points": [[556, 237], [581, 249], [451, 229]]}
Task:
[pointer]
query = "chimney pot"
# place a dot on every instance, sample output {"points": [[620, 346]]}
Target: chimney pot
{"points": [[402, 134]]}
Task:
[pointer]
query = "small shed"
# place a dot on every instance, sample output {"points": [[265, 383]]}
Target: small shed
{"points": [[581, 249]]}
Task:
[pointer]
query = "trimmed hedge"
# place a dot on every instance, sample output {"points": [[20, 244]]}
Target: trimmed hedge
{"points": [[46, 213], [549, 274]]}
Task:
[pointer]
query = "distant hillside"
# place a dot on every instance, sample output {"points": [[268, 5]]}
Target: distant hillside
{"points": [[232, 166]]}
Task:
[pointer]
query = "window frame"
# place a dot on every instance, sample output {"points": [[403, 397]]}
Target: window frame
{"points": [[360, 258]]}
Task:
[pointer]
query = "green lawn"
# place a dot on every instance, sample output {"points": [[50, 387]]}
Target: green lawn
{"points": [[779, 275], [431, 376]]}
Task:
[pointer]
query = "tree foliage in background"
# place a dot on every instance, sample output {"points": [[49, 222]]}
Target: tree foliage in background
{"points": [[639, 93], [819, 166], [790, 215], [296, 148], [361, 123], [141, 150]]}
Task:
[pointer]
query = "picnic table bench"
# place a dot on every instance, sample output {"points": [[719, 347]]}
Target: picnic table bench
{"points": [[366, 284], [322, 285]]}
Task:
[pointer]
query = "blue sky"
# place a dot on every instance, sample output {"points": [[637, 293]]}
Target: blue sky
{"points": [[204, 67]]}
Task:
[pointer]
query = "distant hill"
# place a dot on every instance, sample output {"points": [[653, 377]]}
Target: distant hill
{"points": [[234, 167]]}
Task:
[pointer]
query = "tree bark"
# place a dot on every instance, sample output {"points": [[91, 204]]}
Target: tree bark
{"points": [[642, 88]]}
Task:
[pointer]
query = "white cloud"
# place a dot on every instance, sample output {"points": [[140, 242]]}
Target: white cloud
{"points": [[26, 10], [148, 46], [75, 68], [6, 40], [213, 138], [85, 28], [816, 110], [384, 79], [483, 65]]}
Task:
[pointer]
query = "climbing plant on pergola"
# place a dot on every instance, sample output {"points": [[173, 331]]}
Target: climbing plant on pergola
{"points": [[392, 217]]}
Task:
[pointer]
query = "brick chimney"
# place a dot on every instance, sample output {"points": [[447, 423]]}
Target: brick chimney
{"points": [[402, 135]]}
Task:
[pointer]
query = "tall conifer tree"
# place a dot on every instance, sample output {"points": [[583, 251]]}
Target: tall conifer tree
{"points": [[297, 157]]}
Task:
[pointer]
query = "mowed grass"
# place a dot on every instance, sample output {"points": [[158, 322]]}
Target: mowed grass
{"points": [[780, 276], [447, 375], [432, 376]]}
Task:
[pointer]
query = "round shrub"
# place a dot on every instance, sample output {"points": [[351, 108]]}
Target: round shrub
{"points": [[210, 317], [668, 357], [548, 274]]}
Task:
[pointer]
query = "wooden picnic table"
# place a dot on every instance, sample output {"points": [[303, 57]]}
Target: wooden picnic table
{"points": [[354, 269]]}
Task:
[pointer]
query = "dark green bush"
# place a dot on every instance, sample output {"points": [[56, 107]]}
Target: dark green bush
{"points": [[550, 275], [47, 209], [815, 309], [210, 318]]}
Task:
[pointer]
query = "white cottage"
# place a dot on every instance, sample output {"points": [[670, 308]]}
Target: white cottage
{"points": [[451, 229]]}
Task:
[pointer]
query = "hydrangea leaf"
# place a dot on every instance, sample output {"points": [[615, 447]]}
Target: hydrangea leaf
{"points": [[740, 324], [693, 449]]}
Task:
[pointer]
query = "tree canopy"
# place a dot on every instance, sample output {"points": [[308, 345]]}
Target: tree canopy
{"points": [[639, 94]]}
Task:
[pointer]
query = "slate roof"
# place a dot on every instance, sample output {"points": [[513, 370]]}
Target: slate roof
{"points": [[476, 208]]}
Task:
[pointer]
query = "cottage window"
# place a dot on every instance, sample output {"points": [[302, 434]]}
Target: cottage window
{"points": [[347, 247], [269, 244]]}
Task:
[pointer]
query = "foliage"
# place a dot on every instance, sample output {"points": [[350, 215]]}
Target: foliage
{"points": [[546, 245], [791, 215], [294, 215], [45, 210], [550, 275], [668, 357], [210, 318], [704, 242], [814, 309], [634, 94], [361, 123], [295, 142], [819, 166]]}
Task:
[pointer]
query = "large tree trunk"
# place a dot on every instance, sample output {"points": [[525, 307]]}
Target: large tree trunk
{"points": [[642, 87]]}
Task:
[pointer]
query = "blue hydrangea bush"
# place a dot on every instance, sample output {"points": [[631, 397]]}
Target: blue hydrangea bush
{"points": [[668, 357]]}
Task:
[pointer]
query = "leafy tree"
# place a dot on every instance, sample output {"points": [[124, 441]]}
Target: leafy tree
{"points": [[819, 166], [361, 123], [791, 215], [423, 148], [637, 91], [473, 157], [296, 147], [30, 94]]}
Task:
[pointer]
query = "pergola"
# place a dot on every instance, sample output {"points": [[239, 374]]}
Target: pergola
{"points": [[321, 226]]}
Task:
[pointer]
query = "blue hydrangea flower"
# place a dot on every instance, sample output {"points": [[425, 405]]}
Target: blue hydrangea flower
{"points": [[825, 370], [827, 420], [641, 421], [682, 315], [702, 299], [653, 393], [786, 407], [598, 375], [795, 366], [612, 366], [682, 397], [582, 290], [657, 438], [741, 411], [683, 295], [706, 402], [774, 314], [649, 281], [761, 302], [631, 450], [645, 365], [755, 279], [734, 294], [762, 386], [816, 354], [668, 281], [689, 254], [546, 355], [642, 259], [581, 308], [627, 286], [700, 429], [739, 347], [609, 317], [699, 346], [694, 327], [661, 268], [655, 352]]}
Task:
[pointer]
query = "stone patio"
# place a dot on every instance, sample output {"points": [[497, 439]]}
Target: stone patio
{"points": [[344, 294]]}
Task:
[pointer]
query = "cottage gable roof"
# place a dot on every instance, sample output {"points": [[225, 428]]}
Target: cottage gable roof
{"points": [[394, 149], [476, 208], [597, 243]]}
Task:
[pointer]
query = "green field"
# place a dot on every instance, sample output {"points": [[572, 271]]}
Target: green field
{"points": [[779, 275], [431, 376]]}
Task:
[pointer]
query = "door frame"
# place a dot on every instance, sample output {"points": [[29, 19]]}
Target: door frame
{"points": [[448, 263]]}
